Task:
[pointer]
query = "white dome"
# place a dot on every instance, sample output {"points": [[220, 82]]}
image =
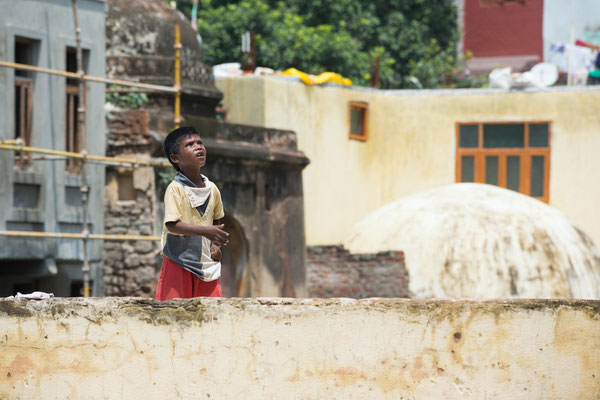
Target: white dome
{"points": [[482, 241]]}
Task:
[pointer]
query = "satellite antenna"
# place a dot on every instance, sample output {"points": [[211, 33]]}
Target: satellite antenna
{"points": [[544, 74]]}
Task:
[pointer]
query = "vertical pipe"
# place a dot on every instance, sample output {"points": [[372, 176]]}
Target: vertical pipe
{"points": [[81, 131], [177, 77]]}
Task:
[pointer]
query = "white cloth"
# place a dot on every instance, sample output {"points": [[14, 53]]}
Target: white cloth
{"points": [[32, 296], [578, 59], [198, 196]]}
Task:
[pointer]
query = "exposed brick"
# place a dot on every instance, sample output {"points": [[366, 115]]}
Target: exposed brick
{"points": [[333, 272]]}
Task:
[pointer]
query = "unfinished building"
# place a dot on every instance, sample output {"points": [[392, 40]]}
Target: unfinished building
{"points": [[42, 193]]}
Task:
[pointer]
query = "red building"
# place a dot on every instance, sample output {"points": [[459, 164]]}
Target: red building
{"points": [[505, 33]]}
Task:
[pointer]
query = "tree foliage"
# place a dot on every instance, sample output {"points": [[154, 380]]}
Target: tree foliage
{"points": [[413, 38]]}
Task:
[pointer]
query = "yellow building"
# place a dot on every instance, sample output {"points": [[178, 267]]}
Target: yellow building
{"points": [[544, 143]]}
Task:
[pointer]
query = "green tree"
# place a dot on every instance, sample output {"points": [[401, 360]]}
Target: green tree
{"points": [[413, 38]]}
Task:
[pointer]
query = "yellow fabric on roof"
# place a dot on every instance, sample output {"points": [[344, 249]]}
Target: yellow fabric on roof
{"points": [[317, 79]]}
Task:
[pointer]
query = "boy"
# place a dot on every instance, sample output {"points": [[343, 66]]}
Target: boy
{"points": [[190, 242]]}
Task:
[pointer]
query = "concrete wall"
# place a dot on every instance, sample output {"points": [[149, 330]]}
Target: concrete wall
{"points": [[412, 143], [304, 349], [50, 265]]}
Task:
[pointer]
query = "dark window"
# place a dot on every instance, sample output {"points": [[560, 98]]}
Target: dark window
{"points": [[469, 136], [26, 195], [503, 135], [513, 168], [26, 52], [468, 169], [537, 176], [491, 170], [513, 156], [125, 186], [72, 134], [358, 120], [538, 135], [77, 289]]}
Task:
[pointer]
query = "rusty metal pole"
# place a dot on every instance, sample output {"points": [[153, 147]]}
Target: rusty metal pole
{"points": [[177, 77], [82, 134]]}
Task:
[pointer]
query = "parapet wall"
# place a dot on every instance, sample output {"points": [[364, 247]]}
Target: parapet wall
{"points": [[299, 348]]}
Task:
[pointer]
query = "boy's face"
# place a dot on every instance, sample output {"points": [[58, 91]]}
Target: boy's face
{"points": [[192, 153]]}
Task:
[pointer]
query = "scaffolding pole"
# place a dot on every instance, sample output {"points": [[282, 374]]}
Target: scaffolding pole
{"points": [[90, 78], [81, 131], [177, 86], [135, 162], [91, 236]]}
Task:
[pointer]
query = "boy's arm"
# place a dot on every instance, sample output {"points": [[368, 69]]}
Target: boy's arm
{"points": [[214, 233]]}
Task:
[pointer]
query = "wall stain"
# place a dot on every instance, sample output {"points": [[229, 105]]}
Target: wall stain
{"points": [[15, 308]]}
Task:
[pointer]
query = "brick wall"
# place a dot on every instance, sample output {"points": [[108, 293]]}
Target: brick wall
{"points": [[331, 271], [131, 268], [493, 29]]}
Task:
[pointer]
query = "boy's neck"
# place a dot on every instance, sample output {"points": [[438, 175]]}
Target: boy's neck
{"points": [[195, 176]]}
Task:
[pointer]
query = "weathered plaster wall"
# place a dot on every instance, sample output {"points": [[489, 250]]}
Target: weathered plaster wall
{"points": [[305, 349], [412, 143]]}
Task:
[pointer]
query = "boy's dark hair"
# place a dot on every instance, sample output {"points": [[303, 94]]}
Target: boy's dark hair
{"points": [[172, 140]]}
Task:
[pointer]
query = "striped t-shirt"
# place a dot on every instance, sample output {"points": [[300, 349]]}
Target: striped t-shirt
{"points": [[187, 203]]}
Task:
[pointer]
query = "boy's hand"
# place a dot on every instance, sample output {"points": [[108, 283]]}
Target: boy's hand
{"points": [[215, 252], [216, 234]]}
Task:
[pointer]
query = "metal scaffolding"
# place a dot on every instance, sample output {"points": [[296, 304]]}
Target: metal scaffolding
{"points": [[19, 145]]}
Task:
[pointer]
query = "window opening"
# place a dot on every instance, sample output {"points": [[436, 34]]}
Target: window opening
{"points": [[125, 185], [358, 120], [76, 289], [72, 134], [468, 136], [25, 53], [512, 155]]}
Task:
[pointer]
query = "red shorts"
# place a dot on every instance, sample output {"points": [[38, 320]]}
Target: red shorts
{"points": [[176, 282]]}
